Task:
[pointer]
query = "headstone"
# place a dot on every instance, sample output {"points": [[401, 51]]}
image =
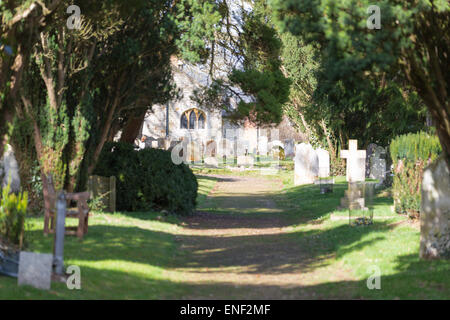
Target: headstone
{"points": [[263, 145], [324, 163], [435, 211], [245, 161], [356, 162], [211, 162], [35, 269], [306, 164], [369, 152], [289, 148], [354, 197], [377, 164], [9, 169]]}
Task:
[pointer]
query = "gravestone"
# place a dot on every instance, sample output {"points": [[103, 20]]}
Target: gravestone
{"points": [[377, 164], [369, 152], [324, 163], [354, 197], [435, 211], [9, 169], [356, 162], [211, 162], [263, 143], [245, 161], [306, 165], [35, 269], [289, 148]]}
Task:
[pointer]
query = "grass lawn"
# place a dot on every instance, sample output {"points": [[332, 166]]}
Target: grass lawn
{"points": [[124, 256], [391, 243], [134, 255]]}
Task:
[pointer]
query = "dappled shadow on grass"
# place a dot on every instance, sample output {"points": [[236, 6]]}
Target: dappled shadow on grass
{"points": [[109, 242], [414, 279], [277, 252]]}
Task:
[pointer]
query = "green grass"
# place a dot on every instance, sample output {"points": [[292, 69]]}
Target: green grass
{"points": [[132, 255], [392, 244], [123, 256]]}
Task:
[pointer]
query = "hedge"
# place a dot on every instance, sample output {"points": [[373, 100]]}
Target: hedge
{"points": [[411, 153], [148, 179]]}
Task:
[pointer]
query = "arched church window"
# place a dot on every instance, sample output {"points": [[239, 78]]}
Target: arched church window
{"points": [[193, 119], [201, 121], [184, 121]]}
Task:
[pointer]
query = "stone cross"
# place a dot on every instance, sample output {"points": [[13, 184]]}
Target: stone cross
{"points": [[356, 162]]}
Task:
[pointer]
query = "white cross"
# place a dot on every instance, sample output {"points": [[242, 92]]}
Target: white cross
{"points": [[355, 165]]}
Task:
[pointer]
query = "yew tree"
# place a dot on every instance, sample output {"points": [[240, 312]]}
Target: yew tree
{"points": [[412, 44]]}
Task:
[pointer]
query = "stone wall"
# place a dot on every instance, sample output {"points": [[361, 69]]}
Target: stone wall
{"points": [[435, 211]]}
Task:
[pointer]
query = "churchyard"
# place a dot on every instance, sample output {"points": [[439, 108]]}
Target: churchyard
{"points": [[200, 149], [283, 242]]}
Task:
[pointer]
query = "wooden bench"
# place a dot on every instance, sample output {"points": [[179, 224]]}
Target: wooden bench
{"points": [[80, 211]]}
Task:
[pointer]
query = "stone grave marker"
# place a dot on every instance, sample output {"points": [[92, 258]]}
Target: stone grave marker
{"points": [[211, 162], [356, 162], [324, 163], [289, 148], [245, 161], [377, 164], [35, 269], [306, 164]]}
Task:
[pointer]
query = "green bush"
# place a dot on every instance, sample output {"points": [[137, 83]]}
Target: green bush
{"points": [[13, 209], [415, 147], [411, 153], [148, 179]]}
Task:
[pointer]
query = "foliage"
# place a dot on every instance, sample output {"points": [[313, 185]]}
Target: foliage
{"points": [[13, 209], [369, 70], [415, 146], [244, 65], [410, 154], [148, 179]]}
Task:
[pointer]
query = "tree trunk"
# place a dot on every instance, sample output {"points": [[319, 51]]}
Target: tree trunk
{"points": [[132, 128]]}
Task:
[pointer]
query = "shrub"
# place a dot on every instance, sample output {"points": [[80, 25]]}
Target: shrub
{"points": [[148, 179], [411, 153], [13, 209]]}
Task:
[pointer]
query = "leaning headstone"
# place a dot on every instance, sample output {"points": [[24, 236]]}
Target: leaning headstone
{"points": [[435, 211], [35, 269], [324, 162], [356, 162], [377, 164], [9, 170], [306, 165]]}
